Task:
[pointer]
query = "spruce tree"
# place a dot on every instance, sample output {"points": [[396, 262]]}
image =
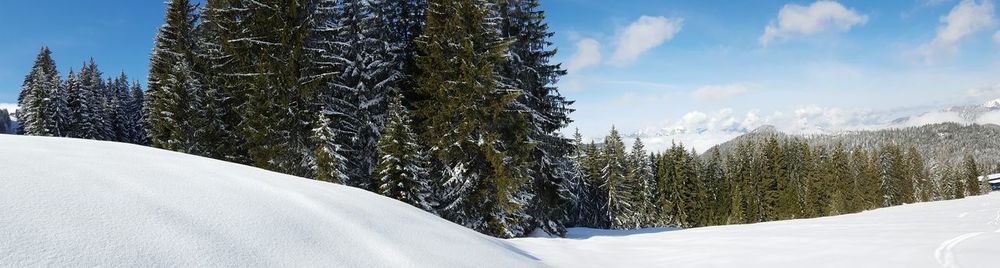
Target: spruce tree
{"points": [[971, 174], [718, 188], [640, 176], [920, 176], [529, 71], [614, 175], [402, 171], [370, 72], [278, 69], [220, 98], [88, 104], [326, 163], [173, 83], [40, 107], [467, 121]]}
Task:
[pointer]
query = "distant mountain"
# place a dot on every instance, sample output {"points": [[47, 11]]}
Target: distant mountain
{"points": [[719, 129], [986, 113]]}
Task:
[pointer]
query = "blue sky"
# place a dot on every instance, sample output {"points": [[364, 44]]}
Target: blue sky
{"points": [[661, 64]]}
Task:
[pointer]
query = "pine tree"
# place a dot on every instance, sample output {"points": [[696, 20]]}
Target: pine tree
{"points": [[402, 172], [971, 174], [173, 83], [360, 93], [277, 76], [718, 188], [467, 121], [640, 177], [594, 203], [326, 163], [920, 176], [220, 98], [39, 107], [738, 174], [88, 104], [529, 71], [576, 184], [774, 178], [134, 116], [614, 175]]}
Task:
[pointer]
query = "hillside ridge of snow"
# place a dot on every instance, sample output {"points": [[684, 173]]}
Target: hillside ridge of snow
{"points": [[81, 203]]}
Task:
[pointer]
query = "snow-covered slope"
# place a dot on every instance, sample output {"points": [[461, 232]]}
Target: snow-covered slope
{"points": [[957, 233], [77, 203]]}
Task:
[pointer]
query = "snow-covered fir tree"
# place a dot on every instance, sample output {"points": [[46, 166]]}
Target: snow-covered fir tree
{"points": [[326, 163], [87, 104], [614, 177], [464, 110], [173, 83], [403, 169], [39, 100], [529, 71]]}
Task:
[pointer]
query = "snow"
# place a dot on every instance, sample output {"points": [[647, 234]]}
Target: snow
{"points": [[78, 203], [73, 203], [956, 233]]}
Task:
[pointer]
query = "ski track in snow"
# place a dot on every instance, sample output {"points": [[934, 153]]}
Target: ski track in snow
{"points": [[945, 253], [963, 214]]}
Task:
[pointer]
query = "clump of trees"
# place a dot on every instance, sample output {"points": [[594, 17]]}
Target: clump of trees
{"points": [[759, 180], [84, 105]]}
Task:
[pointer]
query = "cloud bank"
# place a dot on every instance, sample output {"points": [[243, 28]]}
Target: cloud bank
{"points": [[821, 16], [588, 53], [967, 18], [642, 35]]}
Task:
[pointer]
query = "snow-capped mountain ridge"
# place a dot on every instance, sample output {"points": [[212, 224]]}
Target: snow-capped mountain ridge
{"points": [[702, 131]]}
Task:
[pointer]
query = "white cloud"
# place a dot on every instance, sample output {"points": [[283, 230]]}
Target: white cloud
{"points": [[588, 53], [718, 92], [821, 16], [996, 37], [642, 35], [967, 18]]}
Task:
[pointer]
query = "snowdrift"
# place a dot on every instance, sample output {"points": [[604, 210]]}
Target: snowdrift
{"points": [[79, 203]]}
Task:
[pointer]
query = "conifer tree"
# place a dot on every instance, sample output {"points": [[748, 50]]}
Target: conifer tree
{"points": [[717, 187], [593, 206], [402, 172], [614, 176], [277, 75], [370, 72], [220, 99], [40, 105], [173, 82], [528, 70], [88, 104], [641, 177], [467, 120], [326, 163], [920, 176], [971, 174], [134, 115], [775, 181]]}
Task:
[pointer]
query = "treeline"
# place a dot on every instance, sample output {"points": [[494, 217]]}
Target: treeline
{"points": [[447, 105], [84, 105], [757, 181]]}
